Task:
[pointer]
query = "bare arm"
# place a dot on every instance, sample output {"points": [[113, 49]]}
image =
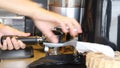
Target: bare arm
{"points": [[22, 7]]}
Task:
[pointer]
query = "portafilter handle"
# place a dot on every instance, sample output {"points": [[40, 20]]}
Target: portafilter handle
{"points": [[30, 40]]}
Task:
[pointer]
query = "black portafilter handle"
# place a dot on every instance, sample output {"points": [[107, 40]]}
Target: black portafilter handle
{"points": [[30, 40]]}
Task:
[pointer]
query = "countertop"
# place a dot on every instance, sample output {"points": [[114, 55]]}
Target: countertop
{"points": [[22, 63]]}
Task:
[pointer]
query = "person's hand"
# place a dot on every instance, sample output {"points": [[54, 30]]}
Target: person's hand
{"points": [[46, 20], [10, 44]]}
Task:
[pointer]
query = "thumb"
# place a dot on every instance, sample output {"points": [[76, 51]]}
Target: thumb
{"points": [[23, 34], [26, 34]]}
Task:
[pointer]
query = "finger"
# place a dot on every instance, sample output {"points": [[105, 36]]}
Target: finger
{"points": [[47, 31], [71, 28], [77, 25], [4, 46], [15, 43], [23, 34], [62, 24], [9, 43], [21, 44], [26, 34], [50, 35], [64, 29]]}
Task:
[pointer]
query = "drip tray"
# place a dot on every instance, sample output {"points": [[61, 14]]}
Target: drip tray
{"points": [[17, 54], [59, 61]]}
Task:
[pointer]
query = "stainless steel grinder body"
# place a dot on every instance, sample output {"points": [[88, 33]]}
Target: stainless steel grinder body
{"points": [[69, 8]]}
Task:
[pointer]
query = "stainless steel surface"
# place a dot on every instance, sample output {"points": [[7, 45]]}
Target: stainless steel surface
{"points": [[69, 8], [82, 10], [52, 48], [69, 12], [13, 20], [67, 3], [72, 42], [40, 39]]}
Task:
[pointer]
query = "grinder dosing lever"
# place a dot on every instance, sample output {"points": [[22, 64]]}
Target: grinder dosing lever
{"points": [[30, 40]]}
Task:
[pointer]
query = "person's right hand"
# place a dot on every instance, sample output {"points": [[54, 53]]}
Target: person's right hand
{"points": [[10, 44], [46, 20]]}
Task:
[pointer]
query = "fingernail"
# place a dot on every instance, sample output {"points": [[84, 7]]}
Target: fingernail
{"points": [[75, 30], [67, 28]]}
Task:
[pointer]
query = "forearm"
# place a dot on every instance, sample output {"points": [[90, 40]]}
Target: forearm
{"points": [[2, 26], [22, 7], [27, 8]]}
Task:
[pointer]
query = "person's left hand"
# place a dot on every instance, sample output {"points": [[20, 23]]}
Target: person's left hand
{"points": [[10, 44]]}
